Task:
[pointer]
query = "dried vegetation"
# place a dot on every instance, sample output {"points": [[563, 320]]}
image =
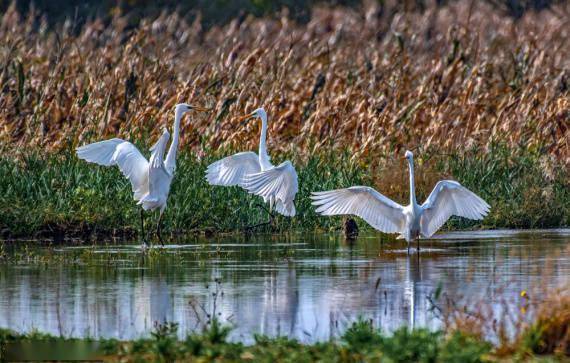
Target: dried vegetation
{"points": [[374, 79]]}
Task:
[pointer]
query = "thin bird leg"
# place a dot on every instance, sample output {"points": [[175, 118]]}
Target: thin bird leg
{"points": [[418, 243], [269, 222], [271, 215], [254, 226], [159, 229], [143, 236]]}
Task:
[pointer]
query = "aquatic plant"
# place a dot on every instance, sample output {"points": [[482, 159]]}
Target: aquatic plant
{"points": [[549, 333], [58, 195], [361, 335], [402, 346], [536, 323]]}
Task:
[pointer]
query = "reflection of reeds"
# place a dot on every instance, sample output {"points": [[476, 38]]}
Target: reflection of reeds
{"points": [[374, 80]]}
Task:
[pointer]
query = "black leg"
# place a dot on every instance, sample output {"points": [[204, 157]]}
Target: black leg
{"points": [[418, 242], [269, 221], [143, 236], [271, 215], [159, 229]]}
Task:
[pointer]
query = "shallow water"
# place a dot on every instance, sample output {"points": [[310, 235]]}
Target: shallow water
{"points": [[305, 286]]}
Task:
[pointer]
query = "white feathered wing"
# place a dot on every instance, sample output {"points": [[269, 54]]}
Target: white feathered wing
{"points": [[125, 155], [277, 186], [376, 209], [449, 198], [231, 170]]}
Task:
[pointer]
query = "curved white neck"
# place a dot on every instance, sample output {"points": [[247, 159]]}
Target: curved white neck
{"points": [[412, 183], [170, 161], [263, 156]]}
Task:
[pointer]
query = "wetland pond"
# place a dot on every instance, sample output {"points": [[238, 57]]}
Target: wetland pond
{"points": [[306, 286]]}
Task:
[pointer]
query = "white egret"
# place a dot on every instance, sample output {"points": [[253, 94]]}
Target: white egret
{"points": [[277, 185], [448, 198], [150, 180]]}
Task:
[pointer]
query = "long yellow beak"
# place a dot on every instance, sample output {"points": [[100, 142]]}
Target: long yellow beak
{"points": [[201, 109], [246, 117]]}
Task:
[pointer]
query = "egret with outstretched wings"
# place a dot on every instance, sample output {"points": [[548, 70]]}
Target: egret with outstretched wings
{"points": [[277, 185], [448, 198], [150, 180]]}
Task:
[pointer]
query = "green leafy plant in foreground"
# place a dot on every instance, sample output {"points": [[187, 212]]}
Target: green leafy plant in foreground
{"points": [[544, 338], [360, 342]]}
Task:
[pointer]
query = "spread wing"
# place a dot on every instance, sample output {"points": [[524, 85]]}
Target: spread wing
{"points": [[450, 198], [377, 210], [278, 184], [231, 170], [125, 155], [158, 176]]}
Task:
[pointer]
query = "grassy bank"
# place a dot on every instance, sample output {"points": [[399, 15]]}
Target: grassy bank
{"points": [[58, 194], [360, 343]]}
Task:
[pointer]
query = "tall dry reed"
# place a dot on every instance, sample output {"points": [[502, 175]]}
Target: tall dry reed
{"points": [[374, 80]]}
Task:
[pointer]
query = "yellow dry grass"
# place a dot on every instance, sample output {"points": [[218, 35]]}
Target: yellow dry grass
{"points": [[537, 321], [369, 79], [540, 326]]}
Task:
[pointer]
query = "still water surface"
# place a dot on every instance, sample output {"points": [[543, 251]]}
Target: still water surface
{"points": [[305, 286]]}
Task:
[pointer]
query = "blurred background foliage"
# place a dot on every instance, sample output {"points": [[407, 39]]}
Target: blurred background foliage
{"points": [[219, 12], [212, 12]]}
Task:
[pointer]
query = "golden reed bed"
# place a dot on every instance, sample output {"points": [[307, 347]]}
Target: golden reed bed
{"points": [[374, 79]]}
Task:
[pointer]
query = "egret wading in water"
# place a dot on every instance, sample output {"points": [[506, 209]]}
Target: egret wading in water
{"points": [[447, 199], [150, 180], [277, 185]]}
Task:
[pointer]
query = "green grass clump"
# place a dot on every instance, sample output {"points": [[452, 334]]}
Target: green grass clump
{"points": [[59, 194], [360, 343], [525, 190], [418, 345]]}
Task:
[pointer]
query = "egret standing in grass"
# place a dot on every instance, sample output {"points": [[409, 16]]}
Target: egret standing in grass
{"points": [[448, 198], [150, 180], [277, 185]]}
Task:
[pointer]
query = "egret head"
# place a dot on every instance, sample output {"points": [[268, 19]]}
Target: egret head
{"points": [[184, 107], [408, 155], [260, 112]]}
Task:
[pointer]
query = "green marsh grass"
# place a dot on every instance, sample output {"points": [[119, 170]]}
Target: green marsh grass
{"points": [[48, 195]]}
